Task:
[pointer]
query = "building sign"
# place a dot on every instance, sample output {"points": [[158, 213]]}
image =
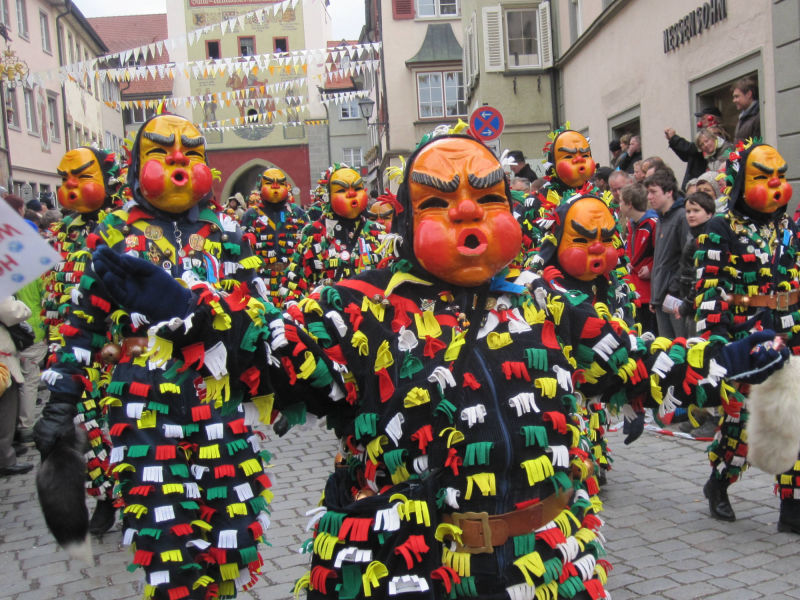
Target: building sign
{"points": [[695, 23]]}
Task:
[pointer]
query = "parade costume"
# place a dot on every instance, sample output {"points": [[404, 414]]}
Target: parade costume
{"points": [[579, 256], [570, 166], [748, 278], [451, 386], [188, 466], [341, 243], [273, 228], [89, 186]]}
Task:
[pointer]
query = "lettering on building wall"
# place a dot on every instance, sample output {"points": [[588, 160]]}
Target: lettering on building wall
{"points": [[695, 23]]}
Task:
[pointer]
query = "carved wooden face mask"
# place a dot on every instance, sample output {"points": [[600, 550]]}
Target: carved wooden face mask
{"points": [[382, 212], [464, 232], [348, 196], [586, 250], [573, 159], [274, 188], [765, 186], [173, 174], [82, 187]]}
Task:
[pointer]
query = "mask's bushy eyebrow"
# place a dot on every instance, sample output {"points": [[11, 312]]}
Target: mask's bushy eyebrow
{"points": [[435, 182], [164, 140], [487, 181], [192, 142]]}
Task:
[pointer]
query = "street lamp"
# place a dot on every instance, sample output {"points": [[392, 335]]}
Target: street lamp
{"points": [[366, 106]]}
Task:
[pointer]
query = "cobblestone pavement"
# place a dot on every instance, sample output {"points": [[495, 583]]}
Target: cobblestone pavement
{"points": [[660, 538]]}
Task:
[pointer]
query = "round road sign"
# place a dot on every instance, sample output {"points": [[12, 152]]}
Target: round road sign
{"points": [[486, 123]]}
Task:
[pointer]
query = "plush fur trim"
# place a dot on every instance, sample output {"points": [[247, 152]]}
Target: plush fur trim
{"points": [[773, 429], [62, 495]]}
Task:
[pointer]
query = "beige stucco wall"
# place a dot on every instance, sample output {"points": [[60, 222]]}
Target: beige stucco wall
{"points": [[624, 65]]}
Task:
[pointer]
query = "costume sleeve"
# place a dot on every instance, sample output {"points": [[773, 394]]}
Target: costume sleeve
{"points": [[641, 243], [621, 367], [682, 147], [291, 363], [295, 280], [716, 278]]}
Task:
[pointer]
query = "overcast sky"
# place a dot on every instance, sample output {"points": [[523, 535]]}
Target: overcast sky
{"points": [[348, 15]]}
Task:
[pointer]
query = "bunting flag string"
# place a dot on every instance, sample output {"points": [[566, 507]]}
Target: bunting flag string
{"points": [[287, 62]]}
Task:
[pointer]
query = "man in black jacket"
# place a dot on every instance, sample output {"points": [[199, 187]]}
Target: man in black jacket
{"points": [[745, 99]]}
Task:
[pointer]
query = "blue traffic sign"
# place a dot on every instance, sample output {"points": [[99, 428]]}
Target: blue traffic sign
{"points": [[486, 123]]}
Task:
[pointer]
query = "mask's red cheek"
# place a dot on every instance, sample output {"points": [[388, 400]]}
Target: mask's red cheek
{"points": [[151, 179], [63, 197], [506, 234], [786, 194], [611, 259], [573, 261], [564, 170], [756, 197], [433, 247], [201, 180], [93, 194]]}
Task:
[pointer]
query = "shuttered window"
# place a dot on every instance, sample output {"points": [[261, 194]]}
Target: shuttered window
{"points": [[403, 9], [517, 38]]}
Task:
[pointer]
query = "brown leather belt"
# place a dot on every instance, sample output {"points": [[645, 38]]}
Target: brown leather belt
{"points": [[482, 531], [134, 346], [776, 301]]}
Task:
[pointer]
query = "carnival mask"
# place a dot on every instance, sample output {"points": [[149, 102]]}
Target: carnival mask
{"points": [[173, 174], [382, 212], [573, 159], [464, 232], [274, 188], [348, 196], [586, 250], [765, 186], [82, 187]]}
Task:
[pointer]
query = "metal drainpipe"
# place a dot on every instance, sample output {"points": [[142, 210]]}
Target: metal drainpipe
{"points": [[68, 6], [382, 117]]}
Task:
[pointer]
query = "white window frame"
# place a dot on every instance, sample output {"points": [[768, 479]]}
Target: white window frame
{"points": [[22, 19], [31, 122], [5, 19], [350, 154], [437, 9], [495, 38], [44, 25], [11, 101], [442, 97], [349, 110], [508, 14], [52, 115]]}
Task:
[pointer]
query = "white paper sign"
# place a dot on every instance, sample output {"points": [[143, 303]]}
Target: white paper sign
{"points": [[24, 255]]}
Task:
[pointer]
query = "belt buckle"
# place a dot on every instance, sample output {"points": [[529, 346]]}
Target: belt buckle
{"points": [[483, 517], [782, 300]]}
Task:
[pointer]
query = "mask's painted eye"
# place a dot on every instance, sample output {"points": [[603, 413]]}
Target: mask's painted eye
{"points": [[433, 202], [492, 199]]}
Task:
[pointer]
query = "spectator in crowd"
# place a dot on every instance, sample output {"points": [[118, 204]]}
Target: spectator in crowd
{"points": [[638, 174], [745, 99], [35, 206], [688, 152], [521, 168], [537, 184], [714, 147], [708, 183], [235, 206], [624, 140], [650, 164], [633, 154], [31, 359], [616, 181], [699, 208], [521, 184], [50, 216], [639, 247], [600, 179], [664, 198], [614, 149], [12, 312]]}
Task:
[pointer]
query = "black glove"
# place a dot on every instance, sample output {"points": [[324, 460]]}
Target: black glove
{"points": [[140, 286], [633, 428], [56, 422], [754, 358]]}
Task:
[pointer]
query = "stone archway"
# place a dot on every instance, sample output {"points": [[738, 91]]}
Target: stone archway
{"points": [[246, 178]]}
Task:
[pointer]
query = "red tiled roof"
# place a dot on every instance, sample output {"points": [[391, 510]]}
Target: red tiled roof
{"points": [[131, 31], [338, 82]]}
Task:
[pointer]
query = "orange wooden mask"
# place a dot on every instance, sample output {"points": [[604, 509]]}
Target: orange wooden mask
{"points": [[464, 232], [382, 212], [173, 174], [348, 195], [573, 159], [586, 249], [82, 187], [274, 187], [765, 186]]}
